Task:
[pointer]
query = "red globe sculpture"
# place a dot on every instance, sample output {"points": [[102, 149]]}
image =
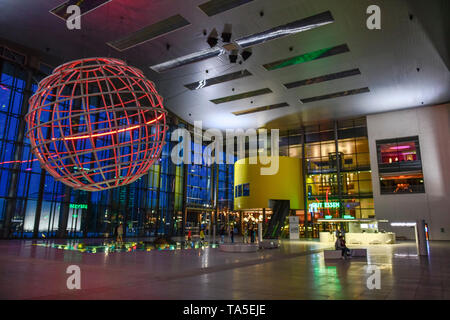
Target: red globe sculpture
{"points": [[96, 124]]}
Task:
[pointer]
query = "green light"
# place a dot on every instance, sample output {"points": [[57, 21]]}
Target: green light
{"points": [[310, 56], [348, 217], [328, 217], [78, 206]]}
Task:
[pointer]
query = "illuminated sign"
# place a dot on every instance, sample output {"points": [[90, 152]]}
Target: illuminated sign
{"points": [[348, 217], [78, 206], [320, 205], [328, 217]]}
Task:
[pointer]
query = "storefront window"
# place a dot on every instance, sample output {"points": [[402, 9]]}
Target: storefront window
{"points": [[400, 154], [408, 183], [400, 166]]}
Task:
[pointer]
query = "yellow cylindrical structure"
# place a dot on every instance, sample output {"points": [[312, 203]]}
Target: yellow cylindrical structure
{"points": [[253, 190]]}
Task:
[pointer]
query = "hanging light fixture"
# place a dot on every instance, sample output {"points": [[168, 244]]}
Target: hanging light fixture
{"points": [[96, 124]]}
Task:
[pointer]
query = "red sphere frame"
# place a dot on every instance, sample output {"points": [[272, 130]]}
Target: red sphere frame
{"points": [[96, 124]]}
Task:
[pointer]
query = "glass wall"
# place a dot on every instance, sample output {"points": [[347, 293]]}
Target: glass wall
{"points": [[42, 207], [327, 152]]}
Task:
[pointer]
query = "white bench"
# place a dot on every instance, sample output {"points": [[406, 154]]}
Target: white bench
{"points": [[332, 254], [337, 254]]}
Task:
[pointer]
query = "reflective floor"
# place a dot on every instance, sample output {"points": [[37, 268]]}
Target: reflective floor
{"points": [[296, 270]]}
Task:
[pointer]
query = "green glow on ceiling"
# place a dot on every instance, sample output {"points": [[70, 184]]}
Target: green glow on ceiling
{"points": [[310, 56]]}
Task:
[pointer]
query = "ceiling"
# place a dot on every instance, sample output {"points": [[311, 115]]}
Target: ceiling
{"points": [[404, 65]]}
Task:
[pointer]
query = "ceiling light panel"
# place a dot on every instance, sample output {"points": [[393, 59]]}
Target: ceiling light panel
{"points": [[311, 56], [336, 95], [260, 109], [327, 77], [85, 7], [190, 58], [242, 96], [150, 32], [291, 28], [220, 79], [214, 7]]}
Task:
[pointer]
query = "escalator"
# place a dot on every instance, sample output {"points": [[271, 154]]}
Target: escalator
{"points": [[280, 210]]}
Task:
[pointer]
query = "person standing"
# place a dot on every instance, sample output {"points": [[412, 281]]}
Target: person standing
{"points": [[232, 234], [252, 235], [120, 233], [189, 235], [202, 235], [245, 234]]}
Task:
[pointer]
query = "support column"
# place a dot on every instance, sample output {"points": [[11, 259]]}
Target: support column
{"points": [[158, 193], [338, 170], [18, 151], [305, 190], [264, 218], [184, 201], [64, 213], [37, 215]]}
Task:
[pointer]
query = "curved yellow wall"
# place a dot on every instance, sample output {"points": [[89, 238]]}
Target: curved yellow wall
{"points": [[284, 185]]}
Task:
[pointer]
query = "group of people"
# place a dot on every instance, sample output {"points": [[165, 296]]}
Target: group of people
{"points": [[202, 235], [250, 231], [222, 232], [340, 244]]}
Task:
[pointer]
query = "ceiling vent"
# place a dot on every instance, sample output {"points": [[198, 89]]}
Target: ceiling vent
{"points": [[291, 28], [242, 96], [336, 95], [150, 32], [213, 7], [260, 109], [85, 7], [327, 77], [310, 56], [220, 79]]}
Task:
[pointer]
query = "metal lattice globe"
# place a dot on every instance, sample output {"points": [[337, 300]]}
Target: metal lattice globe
{"points": [[96, 124]]}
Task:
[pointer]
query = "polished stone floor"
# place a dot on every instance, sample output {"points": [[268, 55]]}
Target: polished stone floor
{"points": [[296, 270]]}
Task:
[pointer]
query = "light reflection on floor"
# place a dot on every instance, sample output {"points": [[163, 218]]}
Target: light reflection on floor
{"points": [[111, 246], [297, 270]]}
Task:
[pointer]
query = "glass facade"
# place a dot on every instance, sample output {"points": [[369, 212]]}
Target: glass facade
{"points": [[38, 206], [172, 198], [332, 150]]}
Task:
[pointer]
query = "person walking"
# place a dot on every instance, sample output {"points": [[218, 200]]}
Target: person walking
{"points": [[189, 235]]}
